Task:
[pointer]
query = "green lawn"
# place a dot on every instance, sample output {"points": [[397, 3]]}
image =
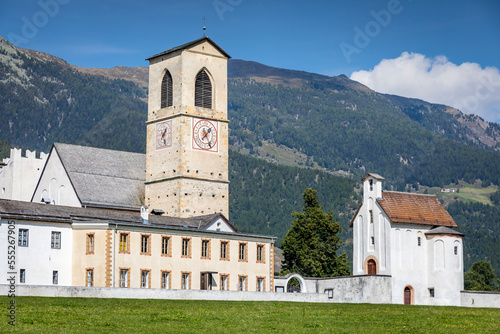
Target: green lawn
{"points": [[79, 315], [468, 193]]}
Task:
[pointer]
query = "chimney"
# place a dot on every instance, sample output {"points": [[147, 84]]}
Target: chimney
{"points": [[144, 215]]}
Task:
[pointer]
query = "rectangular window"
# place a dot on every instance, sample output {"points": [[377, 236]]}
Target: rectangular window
{"points": [[205, 249], [185, 283], [373, 240], [145, 279], [165, 246], [260, 253], [165, 279], [329, 292], [55, 240], [419, 241], [242, 283], [371, 217], [242, 252], [124, 243], [55, 277], [145, 244], [22, 275], [224, 282], [431, 292], [90, 277], [455, 250], [260, 284], [23, 238], [90, 243], [124, 278], [186, 247], [224, 250]]}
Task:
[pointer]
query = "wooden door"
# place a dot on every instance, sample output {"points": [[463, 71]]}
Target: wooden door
{"points": [[407, 296], [372, 267]]}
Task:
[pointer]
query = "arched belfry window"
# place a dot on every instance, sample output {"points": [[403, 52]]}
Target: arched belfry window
{"points": [[166, 90], [203, 90]]}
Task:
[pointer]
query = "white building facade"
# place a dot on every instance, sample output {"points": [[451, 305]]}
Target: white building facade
{"points": [[410, 238]]}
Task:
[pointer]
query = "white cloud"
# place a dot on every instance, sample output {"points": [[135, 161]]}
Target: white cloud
{"points": [[468, 87]]}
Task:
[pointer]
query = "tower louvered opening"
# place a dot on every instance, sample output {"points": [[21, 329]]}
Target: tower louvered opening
{"points": [[203, 90], [166, 91]]}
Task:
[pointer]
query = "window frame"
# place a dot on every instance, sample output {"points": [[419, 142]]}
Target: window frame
{"points": [[166, 90], [55, 277], [124, 246], [166, 251], [127, 278], [224, 286], [261, 253], [261, 287], [242, 287], [145, 248], [147, 280], [206, 249], [186, 248], [243, 252], [224, 250], [90, 243], [203, 90], [55, 242], [168, 281], [22, 275], [23, 237], [186, 275], [87, 271]]}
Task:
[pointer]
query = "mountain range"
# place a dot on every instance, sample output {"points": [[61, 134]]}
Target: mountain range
{"points": [[305, 129]]}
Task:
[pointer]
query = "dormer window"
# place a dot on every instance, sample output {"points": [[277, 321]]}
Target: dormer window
{"points": [[203, 90], [166, 91]]}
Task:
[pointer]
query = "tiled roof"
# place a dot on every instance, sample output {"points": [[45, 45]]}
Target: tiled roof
{"points": [[415, 209], [375, 176], [104, 177], [440, 230]]}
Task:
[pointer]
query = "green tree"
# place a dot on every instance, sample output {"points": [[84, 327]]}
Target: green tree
{"points": [[480, 277], [310, 246]]}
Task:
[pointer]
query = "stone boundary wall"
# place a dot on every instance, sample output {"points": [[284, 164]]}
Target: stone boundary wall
{"points": [[126, 293], [480, 299], [374, 289]]}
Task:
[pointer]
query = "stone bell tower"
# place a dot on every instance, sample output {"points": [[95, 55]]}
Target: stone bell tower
{"points": [[187, 131]]}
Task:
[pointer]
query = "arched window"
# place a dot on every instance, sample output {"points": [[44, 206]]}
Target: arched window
{"points": [[166, 90], [203, 90], [372, 267]]}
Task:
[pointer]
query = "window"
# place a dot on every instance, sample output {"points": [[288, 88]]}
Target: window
{"points": [[329, 292], [205, 249], [145, 244], [242, 283], [165, 279], [185, 282], [371, 217], [22, 275], [260, 284], [242, 252], [23, 238], [455, 250], [55, 240], [124, 243], [260, 253], [165, 246], [224, 250], [371, 185], [419, 241], [90, 277], [145, 279], [124, 278], [186, 247], [279, 289], [224, 282], [373, 240], [55, 277], [431, 292], [203, 90], [90, 243], [166, 90]]}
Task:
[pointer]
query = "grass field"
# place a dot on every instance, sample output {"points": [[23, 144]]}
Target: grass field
{"points": [[85, 315], [468, 193]]}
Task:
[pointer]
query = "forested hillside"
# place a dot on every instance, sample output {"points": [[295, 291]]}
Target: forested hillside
{"points": [[323, 124]]}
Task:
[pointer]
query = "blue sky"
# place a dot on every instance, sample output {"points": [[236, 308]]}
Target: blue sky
{"points": [[326, 37]]}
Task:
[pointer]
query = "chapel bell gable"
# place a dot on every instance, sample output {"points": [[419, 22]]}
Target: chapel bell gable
{"points": [[372, 186]]}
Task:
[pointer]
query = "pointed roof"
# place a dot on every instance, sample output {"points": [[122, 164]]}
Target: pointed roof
{"points": [[191, 44], [414, 209], [375, 176], [102, 177]]}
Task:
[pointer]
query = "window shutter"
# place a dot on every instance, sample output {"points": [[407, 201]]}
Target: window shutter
{"points": [[166, 90], [203, 90]]}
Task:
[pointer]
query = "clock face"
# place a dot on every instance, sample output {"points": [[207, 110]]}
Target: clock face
{"points": [[163, 134], [205, 136]]}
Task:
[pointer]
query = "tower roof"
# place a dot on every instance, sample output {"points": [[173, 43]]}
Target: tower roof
{"points": [[188, 45], [375, 176]]}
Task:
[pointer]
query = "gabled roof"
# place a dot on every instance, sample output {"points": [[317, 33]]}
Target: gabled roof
{"points": [[104, 177], [188, 45], [414, 209], [375, 176]]}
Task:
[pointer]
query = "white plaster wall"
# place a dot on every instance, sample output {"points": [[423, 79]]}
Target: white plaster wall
{"points": [[38, 258], [19, 177], [55, 184], [480, 299]]}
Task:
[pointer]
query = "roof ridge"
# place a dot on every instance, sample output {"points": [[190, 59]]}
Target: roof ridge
{"points": [[407, 193]]}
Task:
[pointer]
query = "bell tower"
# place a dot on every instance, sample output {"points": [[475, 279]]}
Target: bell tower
{"points": [[187, 131]]}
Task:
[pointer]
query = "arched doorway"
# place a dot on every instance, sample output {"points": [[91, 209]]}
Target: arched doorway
{"points": [[372, 267], [295, 283], [407, 295]]}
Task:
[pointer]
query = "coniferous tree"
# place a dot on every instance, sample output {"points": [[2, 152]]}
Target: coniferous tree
{"points": [[310, 245]]}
